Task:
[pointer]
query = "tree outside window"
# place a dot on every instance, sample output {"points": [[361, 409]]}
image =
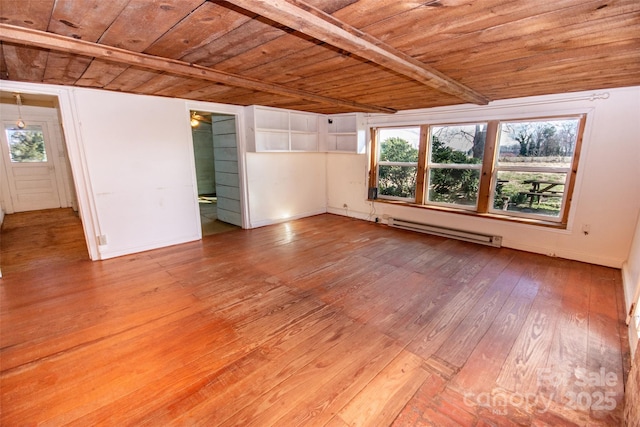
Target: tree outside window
{"points": [[26, 145], [455, 160], [533, 164], [398, 163]]}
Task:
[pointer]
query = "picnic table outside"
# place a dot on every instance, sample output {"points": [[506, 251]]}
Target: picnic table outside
{"points": [[542, 188]]}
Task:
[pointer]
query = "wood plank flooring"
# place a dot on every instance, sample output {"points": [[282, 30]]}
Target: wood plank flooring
{"points": [[320, 321]]}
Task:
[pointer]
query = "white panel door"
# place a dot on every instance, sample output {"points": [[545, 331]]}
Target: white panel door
{"points": [[28, 160]]}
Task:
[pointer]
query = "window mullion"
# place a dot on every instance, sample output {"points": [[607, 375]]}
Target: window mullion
{"points": [[403, 164], [471, 166], [373, 165], [574, 171], [421, 180], [488, 162], [532, 169]]}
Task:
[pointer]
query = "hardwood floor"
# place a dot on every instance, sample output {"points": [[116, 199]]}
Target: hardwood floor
{"points": [[320, 321]]}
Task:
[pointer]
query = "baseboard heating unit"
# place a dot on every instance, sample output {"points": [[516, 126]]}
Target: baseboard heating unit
{"points": [[469, 236]]}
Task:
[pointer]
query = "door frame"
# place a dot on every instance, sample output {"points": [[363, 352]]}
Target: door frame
{"points": [[238, 113], [72, 141]]}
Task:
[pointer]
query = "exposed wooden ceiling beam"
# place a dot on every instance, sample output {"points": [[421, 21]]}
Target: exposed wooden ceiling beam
{"points": [[45, 40], [313, 22]]}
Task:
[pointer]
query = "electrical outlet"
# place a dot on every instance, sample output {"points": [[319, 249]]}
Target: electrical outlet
{"points": [[586, 229], [102, 239]]}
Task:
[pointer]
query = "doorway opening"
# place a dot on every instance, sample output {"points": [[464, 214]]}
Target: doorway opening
{"points": [[216, 159], [36, 183], [34, 164]]}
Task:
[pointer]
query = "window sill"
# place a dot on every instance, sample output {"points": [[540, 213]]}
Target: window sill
{"points": [[512, 219]]}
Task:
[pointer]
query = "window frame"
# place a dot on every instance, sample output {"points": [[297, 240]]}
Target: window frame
{"points": [[400, 164], [468, 166], [488, 173], [9, 129]]}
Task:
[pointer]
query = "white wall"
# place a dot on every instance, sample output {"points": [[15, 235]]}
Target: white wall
{"points": [[285, 185], [607, 194], [631, 281], [140, 160], [132, 159], [347, 183], [133, 166]]}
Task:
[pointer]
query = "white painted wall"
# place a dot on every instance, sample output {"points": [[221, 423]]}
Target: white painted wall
{"points": [[607, 194], [631, 281], [139, 156], [133, 166], [347, 182], [285, 185], [132, 157]]}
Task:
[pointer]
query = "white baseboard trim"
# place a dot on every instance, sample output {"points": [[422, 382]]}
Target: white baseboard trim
{"points": [[628, 286], [273, 221], [566, 254], [105, 253], [351, 213]]}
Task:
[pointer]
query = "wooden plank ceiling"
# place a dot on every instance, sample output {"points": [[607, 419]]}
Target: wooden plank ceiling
{"points": [[325, 56]]}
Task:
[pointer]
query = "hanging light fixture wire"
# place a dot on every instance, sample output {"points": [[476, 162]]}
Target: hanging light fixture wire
{"points": [[20, 123]]}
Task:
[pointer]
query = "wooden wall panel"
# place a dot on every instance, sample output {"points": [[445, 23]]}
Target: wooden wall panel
{"points": [[100, 73], [237, 41], [266, 53], [516, 39], [64, 69], [25, 63], [31, 14], [179, 87], [138, 25], [131, 78], [4, 73], [207, 23], [85, 20]]}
